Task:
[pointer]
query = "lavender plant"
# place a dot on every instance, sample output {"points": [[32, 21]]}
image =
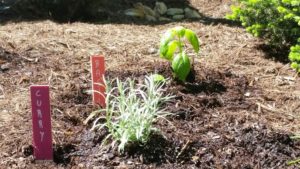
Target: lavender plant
{"points": [[131, 111]]}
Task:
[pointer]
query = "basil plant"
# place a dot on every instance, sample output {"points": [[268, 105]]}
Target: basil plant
{"points": [[172, 48]]}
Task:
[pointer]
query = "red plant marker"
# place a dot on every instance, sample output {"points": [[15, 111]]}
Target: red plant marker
{"points": [[98, 70], [41, 122]]}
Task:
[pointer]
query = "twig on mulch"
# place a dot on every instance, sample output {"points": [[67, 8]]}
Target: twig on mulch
{"points": [[183, 149], [271, 109]]}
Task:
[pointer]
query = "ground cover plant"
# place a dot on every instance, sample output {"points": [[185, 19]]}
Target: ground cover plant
{"points": [[173, 41], [131, 111], [277, 21]]}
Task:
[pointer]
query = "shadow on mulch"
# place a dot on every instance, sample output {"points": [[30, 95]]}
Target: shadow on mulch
{"points": [[275, 53], [61, 153], [9, 60], [6, 56], [157, 150], [208, 87], [160, 150], [112, 13], [206, 20]]}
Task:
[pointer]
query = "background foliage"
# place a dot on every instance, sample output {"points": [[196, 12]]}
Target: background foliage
{"points": [[277, 21]]}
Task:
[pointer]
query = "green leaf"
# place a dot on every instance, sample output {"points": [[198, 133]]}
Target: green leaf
{"points": [[172, 47], [166, 38], [163, 49], [192, 38], [157, 78], [179, 31], [181, 66], [294, 65]]}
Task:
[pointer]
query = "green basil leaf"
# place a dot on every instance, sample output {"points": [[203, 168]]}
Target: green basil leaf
{"points": [[181, 66], [192, 38], [166, 38], [179, 31], [163, 49], [172, 47]]}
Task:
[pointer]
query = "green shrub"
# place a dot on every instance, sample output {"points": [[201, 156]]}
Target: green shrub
{"points": [[277, 21], [294, 56], [131, 110]]}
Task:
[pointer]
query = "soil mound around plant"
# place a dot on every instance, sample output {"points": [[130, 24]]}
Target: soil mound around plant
{"points": [[207, 129]]}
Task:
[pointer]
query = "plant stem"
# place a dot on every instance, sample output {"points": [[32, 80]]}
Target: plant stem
{"points": [[293, 162], [180, 45]]}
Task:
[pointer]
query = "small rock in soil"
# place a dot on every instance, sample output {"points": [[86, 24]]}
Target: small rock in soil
{"points": [[195, 158], [5, 66], [247, 94], [152, 50], [80, 165], [213, 135]]}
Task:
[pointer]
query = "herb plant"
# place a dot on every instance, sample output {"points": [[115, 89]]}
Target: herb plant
{"points": [[131, 110], [173, 41]]}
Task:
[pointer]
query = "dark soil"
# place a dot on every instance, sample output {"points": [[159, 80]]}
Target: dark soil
{"points": [[208, 129]]}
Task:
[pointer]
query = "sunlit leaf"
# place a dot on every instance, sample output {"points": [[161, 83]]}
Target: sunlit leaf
{"points": [[172, 47], [166, 38], [181, 66], [157, 78], [163, 49], [179, 31], [192, 38]]}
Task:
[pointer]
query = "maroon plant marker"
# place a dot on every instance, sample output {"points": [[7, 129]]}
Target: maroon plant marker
{"points": [[98, 70], [41, 122]]}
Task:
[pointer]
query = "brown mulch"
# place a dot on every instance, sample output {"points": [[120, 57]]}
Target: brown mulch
{"points": [[238, 113]]}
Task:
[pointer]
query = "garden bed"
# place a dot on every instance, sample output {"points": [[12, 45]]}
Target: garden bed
{"points": [[238, 112]]}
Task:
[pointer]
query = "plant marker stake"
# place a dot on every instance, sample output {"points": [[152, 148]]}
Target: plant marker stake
{"points": [[98, 70], [41, 122]]}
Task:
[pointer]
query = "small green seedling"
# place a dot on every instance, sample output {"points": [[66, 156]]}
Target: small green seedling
{"points": [[173, 41], [157, 78]]}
